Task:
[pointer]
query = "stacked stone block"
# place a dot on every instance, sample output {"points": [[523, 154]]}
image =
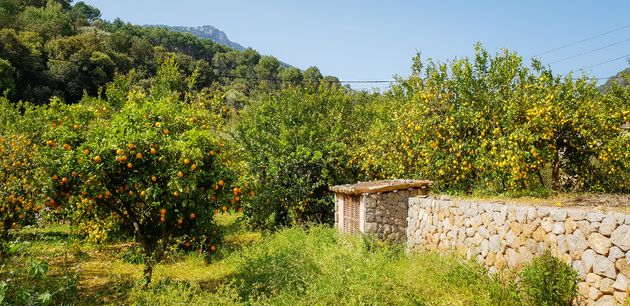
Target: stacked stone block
{"points": [[501, 236], [386, 213]]}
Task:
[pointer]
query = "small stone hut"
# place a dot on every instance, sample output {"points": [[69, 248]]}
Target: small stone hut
{"points": [[377, 207]]}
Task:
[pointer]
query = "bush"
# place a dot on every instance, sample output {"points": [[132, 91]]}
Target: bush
{"points": [[296, 144], [549, 281]]}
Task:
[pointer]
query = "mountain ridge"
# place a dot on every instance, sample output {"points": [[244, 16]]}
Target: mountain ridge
{"points": [[204, 32]]}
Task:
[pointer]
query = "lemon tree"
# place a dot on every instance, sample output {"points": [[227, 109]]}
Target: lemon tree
{"points": [[492, 124], [21, 184]]}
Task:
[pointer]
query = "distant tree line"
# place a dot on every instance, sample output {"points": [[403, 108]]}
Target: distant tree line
{"points": [[56, 48]]}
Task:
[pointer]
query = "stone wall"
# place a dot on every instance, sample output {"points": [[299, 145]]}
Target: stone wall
{"points": [[386, 213], [502, 236]]}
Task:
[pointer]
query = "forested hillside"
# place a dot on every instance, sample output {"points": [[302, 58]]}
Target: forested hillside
{"points": [[57, 48]]}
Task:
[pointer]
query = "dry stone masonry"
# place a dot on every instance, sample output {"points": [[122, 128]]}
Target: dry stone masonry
{"points": [[386, 214], [501, 236]]}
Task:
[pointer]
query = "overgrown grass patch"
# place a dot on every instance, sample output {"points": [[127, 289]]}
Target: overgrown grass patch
{"points": [[294, 266]]}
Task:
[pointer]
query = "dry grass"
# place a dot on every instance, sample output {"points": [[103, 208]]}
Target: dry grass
{"points": [[596, 202]]}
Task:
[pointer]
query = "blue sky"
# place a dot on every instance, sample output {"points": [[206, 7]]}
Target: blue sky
{"points": [[366, 40]]}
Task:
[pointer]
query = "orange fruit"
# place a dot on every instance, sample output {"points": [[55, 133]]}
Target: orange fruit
{"points": [[130, 193], [180, 221], [251, 194], [119, 152], [221, 183], [192, 216], [176, 193], [158, 124], [64, 180], [180, 174], [223, 208], [97, 159], [213, 248], [216, 187], [153, 151], [186, 161], [107, 193], [153, 178], [131, 146], [236, 198], [166, 131], [216, 211], [162, 219], [55, 177], [54, 125], [163, 211], [138, 155], [143, 193], [240, 209], [193, 166], [129, 165], [86, 151], [211, 152]]}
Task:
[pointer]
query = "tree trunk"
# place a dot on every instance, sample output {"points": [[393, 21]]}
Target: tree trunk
{"points": [[540, 178], [148, 270], [555, 171], [148, 254], [282, 216]]}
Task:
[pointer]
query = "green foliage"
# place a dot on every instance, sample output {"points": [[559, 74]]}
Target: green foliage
{"points": [[295, 144], [549, 281], [49, 21]]}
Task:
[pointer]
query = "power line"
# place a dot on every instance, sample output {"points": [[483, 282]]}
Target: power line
{"points": [[307, 81], [589, 51], [580, 41], [344, 81], [605, 62]]}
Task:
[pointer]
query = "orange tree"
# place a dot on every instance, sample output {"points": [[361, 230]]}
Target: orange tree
{"points": [[150, 159]]}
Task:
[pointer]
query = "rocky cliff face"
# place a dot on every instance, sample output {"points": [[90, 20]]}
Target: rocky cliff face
{"points": [[205, 32]]}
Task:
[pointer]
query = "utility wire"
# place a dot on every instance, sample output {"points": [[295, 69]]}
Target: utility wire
{"points": [[339, 81], [605, 62], [589, 51], [580, 41], [307, 81]]}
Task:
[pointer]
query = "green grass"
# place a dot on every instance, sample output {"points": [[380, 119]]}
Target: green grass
{"points": [[295, 266]]}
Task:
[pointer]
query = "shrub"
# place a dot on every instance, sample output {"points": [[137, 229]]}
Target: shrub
{"points": [[295, 144], [549, 281]]}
